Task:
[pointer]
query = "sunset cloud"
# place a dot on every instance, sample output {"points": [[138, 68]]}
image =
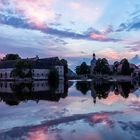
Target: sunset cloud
{"points": [[75, 27], [111, 54], [37, 12], [98, 36]]}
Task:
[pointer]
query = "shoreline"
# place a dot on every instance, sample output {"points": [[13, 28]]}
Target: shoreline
{"points": [[109, 78]]}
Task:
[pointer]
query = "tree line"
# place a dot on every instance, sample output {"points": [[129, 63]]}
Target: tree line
{"points": [[102, 67]]}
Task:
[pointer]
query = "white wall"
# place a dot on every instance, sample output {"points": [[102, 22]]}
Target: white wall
{"points": [[60, 70], [5, 87], [38, 74], [7, 72]]}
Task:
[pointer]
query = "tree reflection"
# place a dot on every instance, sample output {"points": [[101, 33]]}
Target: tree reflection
{"points": [[84, 87], [14, 93], [101, 90]]}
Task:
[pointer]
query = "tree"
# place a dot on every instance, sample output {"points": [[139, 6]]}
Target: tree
{"points": [[22, 69], [77, 70], [82, 69], [53, 79], [125, 67], [105, 66], [102, 66], [98, 66], [65, 64], [83, 87], [11, 57], [115, 66]]}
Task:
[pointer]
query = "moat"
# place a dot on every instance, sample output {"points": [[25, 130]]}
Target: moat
{"points": [[75, 110]]}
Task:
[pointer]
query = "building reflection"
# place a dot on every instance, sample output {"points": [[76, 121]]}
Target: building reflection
{"points": [[13, 93], [101, 90]]}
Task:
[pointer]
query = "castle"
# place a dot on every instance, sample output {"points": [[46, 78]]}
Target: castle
{"points": [[40, 68]]}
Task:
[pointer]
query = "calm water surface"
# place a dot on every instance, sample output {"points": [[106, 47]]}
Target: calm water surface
{"points": [[73, 111]]}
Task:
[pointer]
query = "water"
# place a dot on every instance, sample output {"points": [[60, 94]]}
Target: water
{"points": [[74, 110]]}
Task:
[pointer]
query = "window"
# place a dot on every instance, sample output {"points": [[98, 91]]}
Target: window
{"points": [[5, 85], [5, 75]]}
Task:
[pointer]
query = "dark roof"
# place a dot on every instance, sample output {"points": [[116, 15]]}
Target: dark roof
{"points": [[43, 63], [8, 64]]}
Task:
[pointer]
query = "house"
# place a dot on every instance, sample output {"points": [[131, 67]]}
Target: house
{"points": [[40, 68]]}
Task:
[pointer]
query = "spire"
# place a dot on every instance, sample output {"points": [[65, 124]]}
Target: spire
{"points": [[94, 55]]}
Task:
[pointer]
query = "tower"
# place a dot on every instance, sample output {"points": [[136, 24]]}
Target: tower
{"points": [[93, 63]]}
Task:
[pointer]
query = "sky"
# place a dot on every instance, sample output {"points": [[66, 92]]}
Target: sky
{"points": [[71, 29]]}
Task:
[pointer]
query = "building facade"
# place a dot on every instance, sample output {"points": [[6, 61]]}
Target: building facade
{"points": [[40, 68]]}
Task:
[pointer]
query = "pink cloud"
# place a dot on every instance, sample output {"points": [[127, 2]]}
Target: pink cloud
{"points": [[40, 133], [99, 117], [112, 99], [112, 54], [37, 12], [98, 36]]}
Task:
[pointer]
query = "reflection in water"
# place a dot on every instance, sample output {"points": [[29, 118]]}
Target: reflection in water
{"points": [[102, 90], [71, 118], [13, 93]]}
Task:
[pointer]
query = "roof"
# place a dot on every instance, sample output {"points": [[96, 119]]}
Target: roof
{"points": [[8, 64], [44, 63]]}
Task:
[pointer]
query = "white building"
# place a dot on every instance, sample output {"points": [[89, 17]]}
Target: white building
{"points": [[40, 68]]}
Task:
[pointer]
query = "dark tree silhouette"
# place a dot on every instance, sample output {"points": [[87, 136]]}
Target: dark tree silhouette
{"points": [[22, 69], [84, 87], [125, 67], [11, 57], [53, 79], [82, 69], [65, 63], [102, 66]]}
